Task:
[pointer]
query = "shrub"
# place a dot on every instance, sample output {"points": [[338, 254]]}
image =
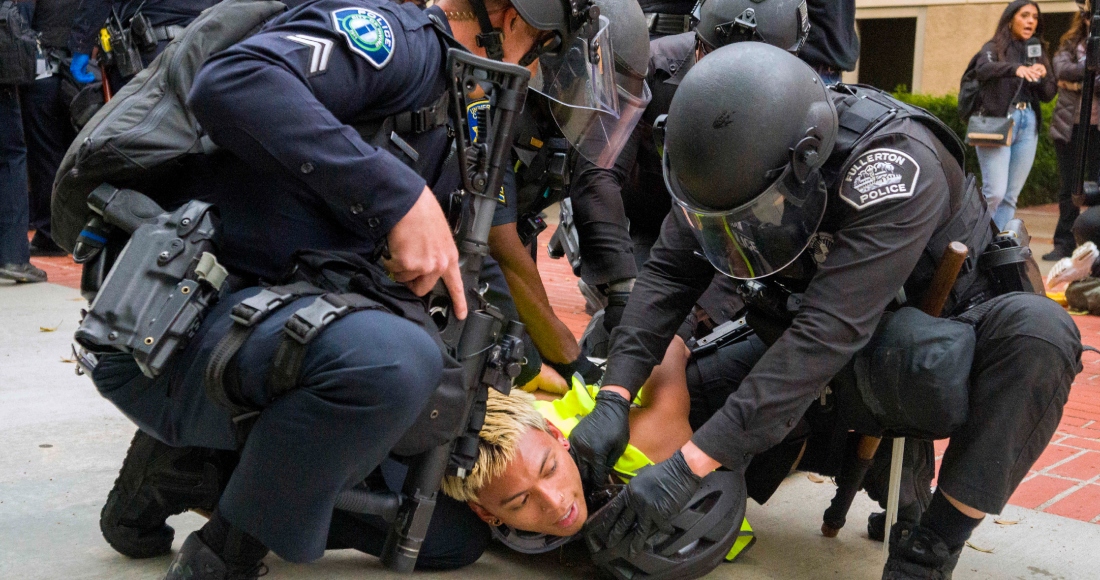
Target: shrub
{"points": [[1042, 183]]}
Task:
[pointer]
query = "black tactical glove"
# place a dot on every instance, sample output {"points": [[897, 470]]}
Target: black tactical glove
{"points": [[648, 504], [600, 438], [587, 369], [613, 312]]}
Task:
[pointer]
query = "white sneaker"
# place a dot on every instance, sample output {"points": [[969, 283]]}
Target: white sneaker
{"points": [[1076, 267]]}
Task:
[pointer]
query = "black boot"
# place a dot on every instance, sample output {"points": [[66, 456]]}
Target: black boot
{"points": [[196, 561], [158, 481], [917, 553]]}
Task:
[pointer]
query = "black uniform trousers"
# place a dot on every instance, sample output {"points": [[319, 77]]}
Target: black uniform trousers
{"points": [[364, 380], [49, 132], [1027, 353], [13, 180]]}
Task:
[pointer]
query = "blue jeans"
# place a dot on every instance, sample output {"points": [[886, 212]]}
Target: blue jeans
{"points": [[13, 180], [1005, 169]]}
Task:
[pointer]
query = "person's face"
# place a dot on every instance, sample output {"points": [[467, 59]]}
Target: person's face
{"points": [[540, 491], [1025, 21]]}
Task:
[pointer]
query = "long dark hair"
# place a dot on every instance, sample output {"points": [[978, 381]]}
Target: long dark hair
{"points": [[1003, 38], [1078, 29]]}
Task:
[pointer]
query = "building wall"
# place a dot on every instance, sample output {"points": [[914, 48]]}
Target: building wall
{"points": [[949, 33]]}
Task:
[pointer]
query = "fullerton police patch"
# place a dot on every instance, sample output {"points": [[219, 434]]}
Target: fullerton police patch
{"points": [[367, 32], [879, 175]]}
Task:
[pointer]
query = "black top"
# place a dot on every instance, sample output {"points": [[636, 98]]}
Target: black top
{"points": [[832, 42], [1001, 88], [53, 19], [667, 6], [634, 187], [866, 248]]}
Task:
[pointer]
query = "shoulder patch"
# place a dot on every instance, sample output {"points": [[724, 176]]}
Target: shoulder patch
{"points": [[473, 112], [368, 34], [878, 175]]}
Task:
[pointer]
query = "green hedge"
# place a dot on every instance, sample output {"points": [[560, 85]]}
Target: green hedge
{"points": [[1043, 182]]}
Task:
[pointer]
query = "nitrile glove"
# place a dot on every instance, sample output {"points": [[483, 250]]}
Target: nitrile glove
{"points": [[78, 68]]}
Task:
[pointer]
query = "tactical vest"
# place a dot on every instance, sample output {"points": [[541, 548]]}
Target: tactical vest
{"points": [[860, 114]]}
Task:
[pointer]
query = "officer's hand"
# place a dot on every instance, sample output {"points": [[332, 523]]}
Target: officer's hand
{"points": [[600, 438], [79, 69], [613, 312], [422, 251], [648, 504]]}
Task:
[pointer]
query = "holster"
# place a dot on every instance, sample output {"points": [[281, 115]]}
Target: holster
{"points": [[1009, 263], [161, 285]]}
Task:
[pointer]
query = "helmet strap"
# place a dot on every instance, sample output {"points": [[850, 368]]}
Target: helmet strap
{"points": [[490, 38]]}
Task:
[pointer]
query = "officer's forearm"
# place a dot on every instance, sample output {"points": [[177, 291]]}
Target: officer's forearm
{"points": [[551, 337]]}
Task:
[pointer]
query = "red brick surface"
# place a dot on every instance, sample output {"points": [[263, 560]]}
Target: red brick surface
{"points": [[1058, 470], [1034, 492]]}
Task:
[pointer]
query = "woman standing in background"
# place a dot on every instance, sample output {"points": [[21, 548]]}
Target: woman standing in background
{"points": [[1014, 86]]}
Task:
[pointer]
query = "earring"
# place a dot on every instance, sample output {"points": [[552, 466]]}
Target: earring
{"points": [[495, 522]]}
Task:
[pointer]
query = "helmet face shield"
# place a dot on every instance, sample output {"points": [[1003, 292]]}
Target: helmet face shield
{"points": [[760, 237], [594, 114]]}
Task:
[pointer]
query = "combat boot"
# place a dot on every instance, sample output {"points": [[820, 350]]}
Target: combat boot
{"points": [[196, 561], [917, 553], [157, 481]]}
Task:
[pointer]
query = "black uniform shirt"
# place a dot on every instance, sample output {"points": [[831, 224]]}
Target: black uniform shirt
{"points": [[634, 186], [894, 193], [832, 42], [52, 20]]}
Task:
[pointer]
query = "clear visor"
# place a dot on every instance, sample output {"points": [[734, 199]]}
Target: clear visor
{"points": [[762, 236], [593, 113]]}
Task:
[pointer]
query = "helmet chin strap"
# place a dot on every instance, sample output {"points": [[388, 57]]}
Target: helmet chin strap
{"points": [[490, 38]]}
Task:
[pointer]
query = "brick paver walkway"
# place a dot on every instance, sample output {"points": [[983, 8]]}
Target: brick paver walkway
{"points": [[1065, 481]]}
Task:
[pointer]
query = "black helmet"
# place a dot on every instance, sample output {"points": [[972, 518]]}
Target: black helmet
{"points": [[745, 138], [782, 23], [596, 106], [704, 533], [529, 542]]}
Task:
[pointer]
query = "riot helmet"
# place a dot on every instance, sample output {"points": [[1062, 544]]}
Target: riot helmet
{"points": [[782, 23], [703, 534], [597, 110], [744, 141]]}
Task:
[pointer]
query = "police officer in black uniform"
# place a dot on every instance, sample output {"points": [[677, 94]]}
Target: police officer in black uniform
{"points": [[620, 209], [848, 198], [310, 181], [46, 121]]}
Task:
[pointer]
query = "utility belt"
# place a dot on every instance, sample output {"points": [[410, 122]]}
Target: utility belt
{"points": [[125, 44], [343, 283], [669, 24]]}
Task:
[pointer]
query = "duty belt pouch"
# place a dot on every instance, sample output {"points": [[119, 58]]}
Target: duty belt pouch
{"points": [[911, 379], [159, 289], [18, 47]]}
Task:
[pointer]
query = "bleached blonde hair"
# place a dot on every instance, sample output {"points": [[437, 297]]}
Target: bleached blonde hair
{"points": [[507, 418]]}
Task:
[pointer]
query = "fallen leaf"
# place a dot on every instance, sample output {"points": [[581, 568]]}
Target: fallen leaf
{"points": [[984, 550], [1006, 522], [815, 478], [68, 360], [49, 329]]}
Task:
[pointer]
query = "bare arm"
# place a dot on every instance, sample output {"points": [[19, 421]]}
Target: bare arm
{"points": [[550, 335]]}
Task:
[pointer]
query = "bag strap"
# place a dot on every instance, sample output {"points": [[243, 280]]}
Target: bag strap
{"points": [[246, 316], [304, 326]]}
